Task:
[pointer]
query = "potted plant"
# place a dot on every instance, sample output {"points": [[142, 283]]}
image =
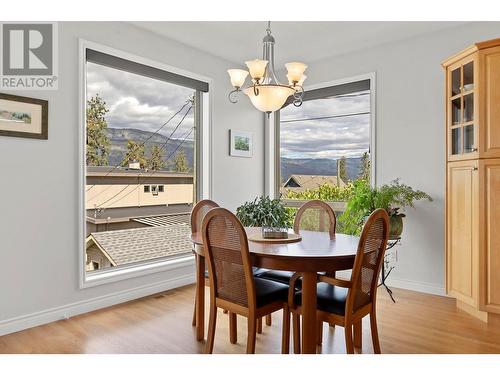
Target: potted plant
{"points": [[270, 214], [392, 197]]}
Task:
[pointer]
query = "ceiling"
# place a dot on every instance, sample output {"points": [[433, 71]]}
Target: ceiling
{"points": [[295, 41]]}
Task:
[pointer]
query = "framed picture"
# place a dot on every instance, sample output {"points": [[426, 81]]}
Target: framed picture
{"points": [[240, 143], [23, 117]]}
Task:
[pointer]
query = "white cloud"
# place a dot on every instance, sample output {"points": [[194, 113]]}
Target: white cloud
{"points": [[139, 102], [305, 133]]}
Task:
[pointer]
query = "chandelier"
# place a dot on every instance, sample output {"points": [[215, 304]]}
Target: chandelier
{"points": [[266, 92]]}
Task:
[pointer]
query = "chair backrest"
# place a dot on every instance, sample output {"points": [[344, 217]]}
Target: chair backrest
{"points": [[226, 251], [316, 216], [199, 211], [369, 258]]}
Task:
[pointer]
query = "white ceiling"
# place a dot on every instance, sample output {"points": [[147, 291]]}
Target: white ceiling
{"points": [[295, 41]]}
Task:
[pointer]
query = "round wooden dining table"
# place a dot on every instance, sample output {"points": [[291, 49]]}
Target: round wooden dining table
{"points": [[316, 252]]}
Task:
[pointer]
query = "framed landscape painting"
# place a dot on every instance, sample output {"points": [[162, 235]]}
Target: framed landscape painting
{"points": [[23, 117], [240, 143]]}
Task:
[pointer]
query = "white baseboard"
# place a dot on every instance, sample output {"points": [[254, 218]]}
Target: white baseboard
{"points": [[64, 312], [417, 286]]}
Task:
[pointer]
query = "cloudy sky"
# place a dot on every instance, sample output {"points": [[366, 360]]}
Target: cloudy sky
{"points": [[143, 103], [326, 138], [139, 102]]}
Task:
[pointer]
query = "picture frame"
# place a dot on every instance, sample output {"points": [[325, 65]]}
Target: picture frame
{"points": [[241, 143], [23, 117]]}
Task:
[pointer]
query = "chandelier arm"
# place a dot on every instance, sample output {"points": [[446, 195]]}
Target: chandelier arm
{"points": [[255, 90], [233, 95], [299, 91], [298, 102]]}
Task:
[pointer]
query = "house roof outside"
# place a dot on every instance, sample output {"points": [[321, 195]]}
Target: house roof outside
{"points": [[110, 171], [134, 245], [301, 182], [118, 214]]}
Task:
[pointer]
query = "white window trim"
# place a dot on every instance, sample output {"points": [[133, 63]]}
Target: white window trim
{"points": [[160, 265], [272, 153]]}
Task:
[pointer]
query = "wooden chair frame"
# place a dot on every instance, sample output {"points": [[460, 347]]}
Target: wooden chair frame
{"points": [[315, 203], [195, 227], [251, 311], [352, 320]]}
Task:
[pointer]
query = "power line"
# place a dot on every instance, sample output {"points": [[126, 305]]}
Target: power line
{"points": [[143, 143], [152, 173], [161, 149], [327, 117]]}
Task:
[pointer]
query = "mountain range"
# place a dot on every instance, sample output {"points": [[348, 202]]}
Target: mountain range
{"points": [[119, 137]]}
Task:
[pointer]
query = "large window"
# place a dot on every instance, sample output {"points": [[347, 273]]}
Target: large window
{"points": [[142, 146], [325, 144]]}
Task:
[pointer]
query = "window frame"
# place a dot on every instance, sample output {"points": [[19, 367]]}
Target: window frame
{"points": [[273, 164], [203, 162]]}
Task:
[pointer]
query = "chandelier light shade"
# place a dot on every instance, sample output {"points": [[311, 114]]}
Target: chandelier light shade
{"points": [[301, 81], [266, 93], [257, 68], [295, 71], [238, 77], [269, 98]]}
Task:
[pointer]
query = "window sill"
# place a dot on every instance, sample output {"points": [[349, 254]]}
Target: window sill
{"points": [[128, 272]]}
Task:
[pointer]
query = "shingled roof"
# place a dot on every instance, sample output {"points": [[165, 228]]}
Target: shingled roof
{"points": [[301, 182], [139, 244]]}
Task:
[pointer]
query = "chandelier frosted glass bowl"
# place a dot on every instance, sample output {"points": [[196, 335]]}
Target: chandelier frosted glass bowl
{"points": [[266, 93]]}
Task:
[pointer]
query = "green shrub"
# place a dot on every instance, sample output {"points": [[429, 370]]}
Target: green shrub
{"points": [[265, 212]]}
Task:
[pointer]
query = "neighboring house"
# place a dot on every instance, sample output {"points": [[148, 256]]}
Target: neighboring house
{"points": [[116, 198], [302, 182], [170, 236], [110, 187]]}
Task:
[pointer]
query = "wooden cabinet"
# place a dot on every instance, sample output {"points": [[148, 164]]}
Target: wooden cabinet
{"points": [[462, 231], [473, 178]]}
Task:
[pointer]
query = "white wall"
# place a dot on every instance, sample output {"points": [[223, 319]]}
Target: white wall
{"points": [[410, 135], [39, 189]]}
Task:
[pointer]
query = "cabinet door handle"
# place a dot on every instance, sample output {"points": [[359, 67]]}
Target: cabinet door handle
{"points": [[474, 168], [474, 149]]}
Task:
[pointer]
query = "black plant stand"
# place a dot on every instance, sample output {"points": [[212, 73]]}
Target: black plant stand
{"points": [[390, 244]]}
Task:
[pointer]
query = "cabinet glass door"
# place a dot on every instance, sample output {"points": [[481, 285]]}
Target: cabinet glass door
{"points": [[461, 112]]}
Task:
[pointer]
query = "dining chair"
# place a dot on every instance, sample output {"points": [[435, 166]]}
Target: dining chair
{"points": [[198, 212], [314, 215], [232, 283], [346, 302]]}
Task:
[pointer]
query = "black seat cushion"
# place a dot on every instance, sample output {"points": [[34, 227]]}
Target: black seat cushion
{"points": [[269, 291], [330, 298], [280, 276], [256, 271]]}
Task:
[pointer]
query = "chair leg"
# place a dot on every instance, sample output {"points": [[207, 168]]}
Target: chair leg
{"points": [[320, 332], [348, 339], [358, 334], [194, 313], [296, 333], [251, 335], [285, 335], [212, 320], [373, 325], [233, 328], [195, 295], [269, 320], [259, 325]]}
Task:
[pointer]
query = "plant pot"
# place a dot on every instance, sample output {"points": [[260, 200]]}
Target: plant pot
{"points": [[396, 226]]}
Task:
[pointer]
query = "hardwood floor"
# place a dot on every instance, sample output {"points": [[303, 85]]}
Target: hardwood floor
{"points": [[417, 323]]}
